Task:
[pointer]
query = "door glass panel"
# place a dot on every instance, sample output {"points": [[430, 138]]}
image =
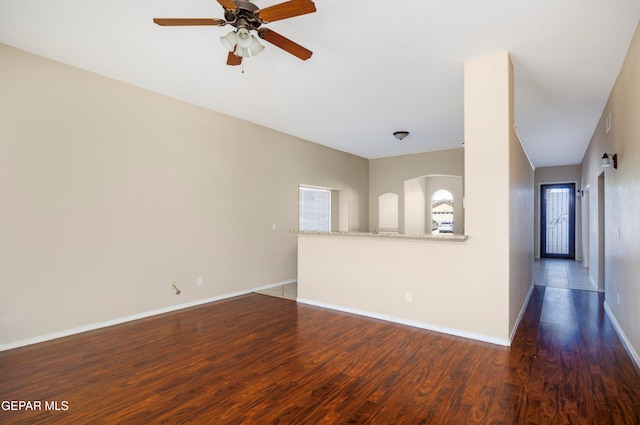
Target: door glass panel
{"points": [[558, 220]]}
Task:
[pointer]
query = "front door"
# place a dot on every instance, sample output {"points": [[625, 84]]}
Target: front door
{"points": [[557, 227]]}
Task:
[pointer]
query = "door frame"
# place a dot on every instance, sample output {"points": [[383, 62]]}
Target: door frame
{"points": [[601, 233], [572, 220]]}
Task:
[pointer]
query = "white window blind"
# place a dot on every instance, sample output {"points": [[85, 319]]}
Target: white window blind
{"points": [[315, 209]]}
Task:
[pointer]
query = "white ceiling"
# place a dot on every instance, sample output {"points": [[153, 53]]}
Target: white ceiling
{"points": [[378, 66]]}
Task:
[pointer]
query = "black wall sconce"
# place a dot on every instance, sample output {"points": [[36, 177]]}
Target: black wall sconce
{"points": [[609, 160]]}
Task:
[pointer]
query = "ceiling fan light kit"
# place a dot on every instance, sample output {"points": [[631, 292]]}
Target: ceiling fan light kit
{"points": [[241, 43], [229, 41], [245, 17]]}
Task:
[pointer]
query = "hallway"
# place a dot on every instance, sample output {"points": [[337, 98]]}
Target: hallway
{"points": [[558, 273]]}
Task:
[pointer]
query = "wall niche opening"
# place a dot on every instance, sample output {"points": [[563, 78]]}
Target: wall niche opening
{"points": [[388, 212]]}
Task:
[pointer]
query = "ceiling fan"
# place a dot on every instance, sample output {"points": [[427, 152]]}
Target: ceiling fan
{"points": [[245, 17]]}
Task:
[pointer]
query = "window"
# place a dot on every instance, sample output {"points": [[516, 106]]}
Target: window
{"points": [[442, 212], [315, 209]]}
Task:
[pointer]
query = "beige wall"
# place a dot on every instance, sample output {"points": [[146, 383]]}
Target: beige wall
{"points": [[500, 237], [560, 174], [110, 192], [388, 175], [620, 247], [521, 229], [371, 275]]}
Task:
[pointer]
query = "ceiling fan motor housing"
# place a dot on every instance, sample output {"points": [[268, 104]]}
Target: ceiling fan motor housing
{"points": [[243, 16]]}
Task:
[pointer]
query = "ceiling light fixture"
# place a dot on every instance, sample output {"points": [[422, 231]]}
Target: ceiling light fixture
{"points": [[242, 43], [609, 160], [400, 134]]}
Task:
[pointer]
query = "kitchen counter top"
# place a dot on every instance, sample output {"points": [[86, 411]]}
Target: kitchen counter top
{"points": [[388, 235]]}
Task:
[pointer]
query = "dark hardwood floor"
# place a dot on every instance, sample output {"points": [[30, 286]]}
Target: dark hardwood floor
{"points": [[258, 359]]}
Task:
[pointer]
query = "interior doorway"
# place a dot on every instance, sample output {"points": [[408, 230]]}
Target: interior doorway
{"points": [[557, 220], [601, 233]]}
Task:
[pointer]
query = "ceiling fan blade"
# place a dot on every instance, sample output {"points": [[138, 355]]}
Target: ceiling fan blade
{"points": [[189, 21], [284, 43], [228, 4], [233, 60], [286, 10]]}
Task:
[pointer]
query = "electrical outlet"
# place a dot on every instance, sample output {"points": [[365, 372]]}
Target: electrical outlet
{"points": [[408, 297], [200, 281]]}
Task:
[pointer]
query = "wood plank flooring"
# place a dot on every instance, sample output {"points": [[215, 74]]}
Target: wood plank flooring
{"points": [[259, 359]]}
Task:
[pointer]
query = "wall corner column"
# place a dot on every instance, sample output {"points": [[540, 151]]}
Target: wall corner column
{"points": [[488, 125]]}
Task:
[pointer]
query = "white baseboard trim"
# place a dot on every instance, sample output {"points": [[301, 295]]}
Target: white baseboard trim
{"points": [[522, 311], [415, 324], [595, 285], [627, 344], [118, 321]]}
